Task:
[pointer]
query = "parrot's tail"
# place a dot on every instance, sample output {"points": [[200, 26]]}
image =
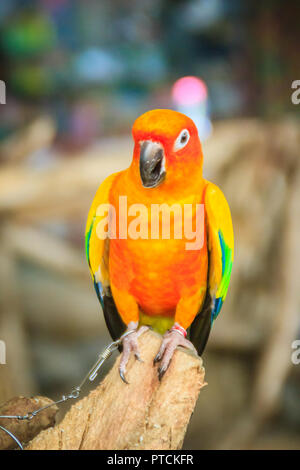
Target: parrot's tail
{"points": [[200, 328]]}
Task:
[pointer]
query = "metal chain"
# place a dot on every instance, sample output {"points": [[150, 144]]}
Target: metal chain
{"points": [[75, 392]]}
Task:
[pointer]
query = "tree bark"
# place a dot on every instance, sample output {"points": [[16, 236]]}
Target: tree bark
{"points": [[146, 414], [25, 430]]}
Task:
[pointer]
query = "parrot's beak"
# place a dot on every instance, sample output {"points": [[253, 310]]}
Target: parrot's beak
{"points": [[152, 164]]}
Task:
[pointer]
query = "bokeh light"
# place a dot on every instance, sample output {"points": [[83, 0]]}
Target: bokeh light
{"points": [[189, 91]]}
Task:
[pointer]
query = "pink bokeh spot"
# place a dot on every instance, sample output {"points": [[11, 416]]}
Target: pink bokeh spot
{"points": [[189, 91]]}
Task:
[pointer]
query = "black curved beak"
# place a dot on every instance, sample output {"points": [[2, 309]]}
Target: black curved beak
{"points": [[152, 164]]}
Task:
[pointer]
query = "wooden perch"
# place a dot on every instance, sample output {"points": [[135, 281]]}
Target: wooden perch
{"points": [[25, 430], [146, 414]]}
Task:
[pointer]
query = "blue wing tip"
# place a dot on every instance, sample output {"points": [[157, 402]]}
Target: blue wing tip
{"points": [[99, 292], [216, 309]]}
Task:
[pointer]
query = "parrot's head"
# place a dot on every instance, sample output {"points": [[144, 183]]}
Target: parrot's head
{"points": [[167, 150]]}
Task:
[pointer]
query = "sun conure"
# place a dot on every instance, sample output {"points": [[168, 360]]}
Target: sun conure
{"points": [[149, 279]]}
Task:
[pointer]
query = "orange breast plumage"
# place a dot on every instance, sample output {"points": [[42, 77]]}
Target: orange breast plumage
{"points": [[157, 272]]}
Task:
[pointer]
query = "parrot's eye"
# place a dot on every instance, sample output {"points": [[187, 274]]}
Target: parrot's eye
{"points": [[182, 140]]}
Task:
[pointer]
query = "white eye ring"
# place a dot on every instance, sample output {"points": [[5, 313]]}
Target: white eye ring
{"points": [[182, 140]]}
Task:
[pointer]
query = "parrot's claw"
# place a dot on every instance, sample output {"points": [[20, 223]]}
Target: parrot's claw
{"points": [[161, 372], [130, 344], [156, 359], [171, 340], [123, 377]]}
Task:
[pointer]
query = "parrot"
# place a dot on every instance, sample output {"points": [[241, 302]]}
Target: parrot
{"points": [[156, 282]]}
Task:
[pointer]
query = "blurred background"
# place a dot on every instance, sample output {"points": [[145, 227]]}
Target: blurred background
{"points": [[77, 74]]}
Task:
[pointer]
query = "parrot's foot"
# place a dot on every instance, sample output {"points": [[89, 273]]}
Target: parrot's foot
{"points": [[130, 344], [171, 340]]}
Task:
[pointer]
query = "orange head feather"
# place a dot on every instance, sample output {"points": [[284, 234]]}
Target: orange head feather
{"points": [[167, 150]]}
